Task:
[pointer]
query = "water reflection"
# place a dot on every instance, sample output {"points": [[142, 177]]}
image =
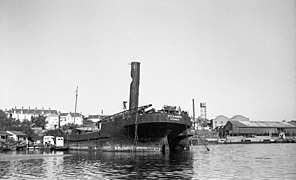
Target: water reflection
{"points": [[114, 165], [30, 164], [258, 161]]}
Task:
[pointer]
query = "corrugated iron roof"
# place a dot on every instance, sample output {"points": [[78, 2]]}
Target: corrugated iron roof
{"points": [[278, 124]]}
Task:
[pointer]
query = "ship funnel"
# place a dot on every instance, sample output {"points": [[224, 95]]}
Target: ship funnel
{"points": [[134, 87]]}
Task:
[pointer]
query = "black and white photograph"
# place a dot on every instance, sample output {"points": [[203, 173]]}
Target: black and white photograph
{"points": [[145, 89]]}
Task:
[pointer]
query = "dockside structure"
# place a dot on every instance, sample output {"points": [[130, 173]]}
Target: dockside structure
{"points": [[268, 128]]}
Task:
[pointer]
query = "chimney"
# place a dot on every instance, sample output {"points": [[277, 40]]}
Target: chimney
{"points": [[134, 86]]}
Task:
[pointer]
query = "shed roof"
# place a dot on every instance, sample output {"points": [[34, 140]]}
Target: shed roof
{"points": [[258, 124], [239, 118], [18, 133]]}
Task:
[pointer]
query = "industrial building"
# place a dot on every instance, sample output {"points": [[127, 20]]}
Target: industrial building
{"points": [[220, 121], [258, 128]]}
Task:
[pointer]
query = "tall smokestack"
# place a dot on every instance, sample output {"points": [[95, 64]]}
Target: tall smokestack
{"points": [[134, 87]]}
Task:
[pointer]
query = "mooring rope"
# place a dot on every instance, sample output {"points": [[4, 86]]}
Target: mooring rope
{"points": [[202, 140]]}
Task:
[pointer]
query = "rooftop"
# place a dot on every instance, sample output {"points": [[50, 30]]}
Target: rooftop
{"points": [[277, 124], [18, 133]]}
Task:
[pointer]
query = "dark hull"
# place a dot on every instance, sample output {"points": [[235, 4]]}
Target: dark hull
{"points": [[57, 148], [135, 132]]}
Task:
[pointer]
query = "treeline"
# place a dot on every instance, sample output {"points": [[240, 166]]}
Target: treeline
{"points": [[11, 124]]}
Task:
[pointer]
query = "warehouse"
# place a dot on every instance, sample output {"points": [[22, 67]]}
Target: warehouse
{"points": [[259, 128]]}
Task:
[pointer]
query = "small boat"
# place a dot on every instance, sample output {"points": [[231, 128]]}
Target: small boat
{"points": [[21, 147], [4, 149], [59, 148], [59, 145]]}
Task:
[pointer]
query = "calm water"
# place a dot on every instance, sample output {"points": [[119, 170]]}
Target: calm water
{"points": [[246, 161]]}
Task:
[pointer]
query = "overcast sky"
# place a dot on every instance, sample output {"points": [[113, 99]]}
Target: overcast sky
{"points": [[237, 56]]}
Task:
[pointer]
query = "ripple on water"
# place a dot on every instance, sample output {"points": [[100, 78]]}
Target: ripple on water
{"points": [[255, 161]]}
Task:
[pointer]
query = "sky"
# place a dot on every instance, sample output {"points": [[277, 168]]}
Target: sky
{"points": [[237, 56]]}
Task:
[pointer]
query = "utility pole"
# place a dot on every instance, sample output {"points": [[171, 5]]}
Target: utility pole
{"points": [[76, 103]]}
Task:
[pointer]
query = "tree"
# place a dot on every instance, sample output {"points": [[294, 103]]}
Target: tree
{"points": [[39, 121], [87, 121], [55, 132], [8, 123]]}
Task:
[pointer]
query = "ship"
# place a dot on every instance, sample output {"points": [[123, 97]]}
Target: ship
{"points": [[139, 128]]}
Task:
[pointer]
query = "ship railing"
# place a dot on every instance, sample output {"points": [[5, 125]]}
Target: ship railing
{"points": [[125, 113]]}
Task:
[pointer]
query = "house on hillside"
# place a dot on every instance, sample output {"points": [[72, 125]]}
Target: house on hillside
{"points": [[23, 113], [17, 136], [52, 122], [71, 118]]}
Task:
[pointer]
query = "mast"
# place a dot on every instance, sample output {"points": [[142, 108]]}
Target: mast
{"points": [[193, 106], [75, 103]]}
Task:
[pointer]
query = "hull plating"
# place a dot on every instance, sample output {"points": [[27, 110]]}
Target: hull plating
{"points": [[134, 132]]}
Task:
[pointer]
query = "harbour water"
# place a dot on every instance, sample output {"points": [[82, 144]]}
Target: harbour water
{"points": [[237, 161]]}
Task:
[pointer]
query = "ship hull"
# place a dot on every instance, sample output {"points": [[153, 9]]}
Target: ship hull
{"points": [[135, 132]]}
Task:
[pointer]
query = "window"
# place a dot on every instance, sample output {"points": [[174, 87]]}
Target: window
{"points": [[221, 122]]}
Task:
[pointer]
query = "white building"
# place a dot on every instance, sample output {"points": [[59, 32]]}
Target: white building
{"points": [[23, 113], [52, 122], [59, 141], [18, 136], [220, 121], [71, 118], [47, 140]]}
